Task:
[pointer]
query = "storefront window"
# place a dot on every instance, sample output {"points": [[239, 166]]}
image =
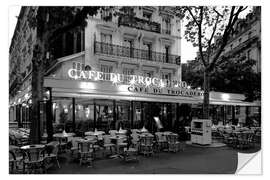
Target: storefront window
{"points": [[62, 114], [104, 115]]}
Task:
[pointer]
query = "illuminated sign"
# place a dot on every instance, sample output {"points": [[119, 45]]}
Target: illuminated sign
{"points": [[138, 84]]}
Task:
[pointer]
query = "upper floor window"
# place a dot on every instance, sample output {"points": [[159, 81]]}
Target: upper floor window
{"points": [[148, 73], [127, 71], [106, 38], [248, 54], [147, 15], [167, 54], [240, 40], [166, 75], [129, 43], [166, 25], [106, 15], [107, 69], [147, 54]]}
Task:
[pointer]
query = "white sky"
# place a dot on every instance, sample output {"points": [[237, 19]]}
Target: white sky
{"points": [[188, 52]]}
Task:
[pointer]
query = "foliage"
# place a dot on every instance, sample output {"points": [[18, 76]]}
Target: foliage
{"points": [[232, 75]]}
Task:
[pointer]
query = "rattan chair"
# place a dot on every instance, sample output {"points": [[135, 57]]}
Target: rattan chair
{"points": [[86, 151], [146, 145], [52, 152], [173, 143], [108, 144], [33, 161], [161, 141]]}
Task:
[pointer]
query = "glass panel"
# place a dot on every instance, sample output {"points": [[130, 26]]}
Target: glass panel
{"points": [[62, 114]]}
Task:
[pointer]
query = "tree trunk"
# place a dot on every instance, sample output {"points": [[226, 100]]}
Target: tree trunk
{"points": [[206, 87], [37, 93]]}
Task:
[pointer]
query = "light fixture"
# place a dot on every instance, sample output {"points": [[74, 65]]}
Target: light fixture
{"points": [[188, 87], [162, 84], [225, 97]]}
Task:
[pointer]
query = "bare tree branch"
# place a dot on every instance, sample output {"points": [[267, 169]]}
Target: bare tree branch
{"points": [[218, 13], [229, 28], [200, 37], [190, 12], [212, 36]]}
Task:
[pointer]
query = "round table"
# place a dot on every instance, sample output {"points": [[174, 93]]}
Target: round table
{"points": [[34, 146], [63, 135], [117, 138], [95, 133]]}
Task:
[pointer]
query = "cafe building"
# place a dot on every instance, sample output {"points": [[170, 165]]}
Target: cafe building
{"points": [[120, 73]]}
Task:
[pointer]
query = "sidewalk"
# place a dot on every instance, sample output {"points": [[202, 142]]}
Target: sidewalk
{"points": [[193, 160]]}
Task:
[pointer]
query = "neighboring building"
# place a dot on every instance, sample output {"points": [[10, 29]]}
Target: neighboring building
{"points": [[246, 40]]}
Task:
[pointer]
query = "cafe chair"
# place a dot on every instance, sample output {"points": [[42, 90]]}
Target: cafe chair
{"points": [[33, 161], [86, 151], [52, 152], [130, 154], [146, 145], [112, 132], [14, 161], [75, 147], [173, 143], [108, 144], [161, 141]]}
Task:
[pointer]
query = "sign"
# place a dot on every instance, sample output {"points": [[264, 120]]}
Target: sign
{"points": [[138, 83]]}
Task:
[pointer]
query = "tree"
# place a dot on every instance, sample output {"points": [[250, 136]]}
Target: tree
{"points": [[50, 22], [232, 75], [204, 24]]}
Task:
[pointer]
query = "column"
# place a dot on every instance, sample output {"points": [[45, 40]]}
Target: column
{"points": [[73, 115]]}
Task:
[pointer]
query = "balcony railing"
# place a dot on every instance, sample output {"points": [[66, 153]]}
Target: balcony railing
{"points": [[166, 31], [138, 23], [121, 51]]}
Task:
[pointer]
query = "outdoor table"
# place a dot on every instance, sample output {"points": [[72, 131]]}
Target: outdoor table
{"points": [[94, 133], [63, 139], [146, 134], [116, 140], [63, 135], [34, 146]]}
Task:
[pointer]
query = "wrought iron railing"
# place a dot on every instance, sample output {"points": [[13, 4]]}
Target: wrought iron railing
{"points": [[166, 31], [138, 23], [121, 51]]}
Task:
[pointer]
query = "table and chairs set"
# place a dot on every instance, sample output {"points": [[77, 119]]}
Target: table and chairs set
{"points": [[122, 144], [238, 137]]}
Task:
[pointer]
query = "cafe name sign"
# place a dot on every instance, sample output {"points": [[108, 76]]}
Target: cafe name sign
{"points": [[137, 83]]}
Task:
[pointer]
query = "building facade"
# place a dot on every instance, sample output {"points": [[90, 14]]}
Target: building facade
{"points": [[122, 70]]}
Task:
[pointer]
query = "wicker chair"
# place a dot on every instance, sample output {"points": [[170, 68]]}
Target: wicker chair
{"points": [[52, 152], [161, 141], [33, 161], [146, 145], [173, 143], [108, 143], [86, 150]]}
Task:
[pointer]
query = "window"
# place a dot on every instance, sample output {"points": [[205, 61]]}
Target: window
{"points": [[166, 25], [106, 38], [167, 53], [147, 15], [127, 71], [106, 41], [106, 15], [240, 40], [166, 75], [248, 54], [106, 69], [147, 54], [129, 43], [148, 73], [231, 46]]}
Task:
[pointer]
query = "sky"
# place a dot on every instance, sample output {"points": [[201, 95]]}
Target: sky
{"points": [[188, 52]]}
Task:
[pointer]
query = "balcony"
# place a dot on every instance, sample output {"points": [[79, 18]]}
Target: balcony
{"points": [[166, 31], [138, 23], [121, 51]]}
